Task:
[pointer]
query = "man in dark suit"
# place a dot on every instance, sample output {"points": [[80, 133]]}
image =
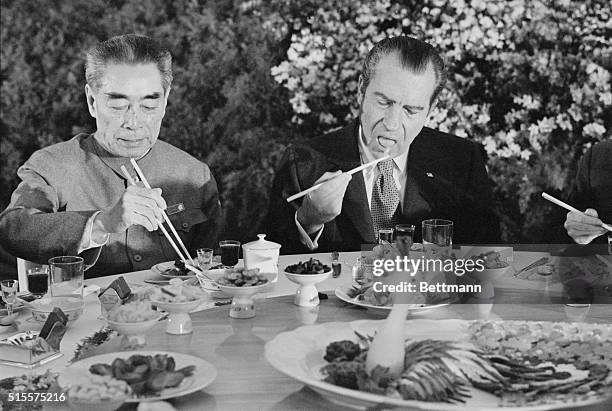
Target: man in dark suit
{"points": [[430, 174]]}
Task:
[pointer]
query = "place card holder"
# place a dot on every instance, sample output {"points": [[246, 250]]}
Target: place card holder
{"points": [[32, 349], [115, 294]]}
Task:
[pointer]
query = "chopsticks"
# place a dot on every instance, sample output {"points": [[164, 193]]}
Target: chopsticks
{"points": [[147, 185], [353, 171], [570, 208], [161, 226], [538, 263]]}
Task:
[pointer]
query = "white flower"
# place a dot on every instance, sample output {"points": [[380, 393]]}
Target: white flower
{"points": [[595, 130], [606, 98]]}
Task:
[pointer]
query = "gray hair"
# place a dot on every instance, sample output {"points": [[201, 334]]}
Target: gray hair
{"points": [[127, 49], [414, 55]]}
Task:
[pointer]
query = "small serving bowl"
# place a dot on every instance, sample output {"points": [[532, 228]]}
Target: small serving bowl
{"points": [[71, 306], [209, 286], [307, 294], [490, 274], [242, 297], [134, 332], [179, 321]]}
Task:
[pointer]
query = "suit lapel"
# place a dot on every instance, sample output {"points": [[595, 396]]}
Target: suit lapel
{"points": [[355, 204]]}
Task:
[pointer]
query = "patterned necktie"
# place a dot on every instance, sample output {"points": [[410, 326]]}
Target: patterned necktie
{"points": [[385, 198]]}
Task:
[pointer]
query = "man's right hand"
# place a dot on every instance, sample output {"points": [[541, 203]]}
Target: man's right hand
{"points": [[137, 206], [325, 203], [584, 228]]}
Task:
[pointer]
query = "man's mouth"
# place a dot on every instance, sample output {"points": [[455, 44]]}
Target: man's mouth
{"points": [[131, 142], [386, 142]]}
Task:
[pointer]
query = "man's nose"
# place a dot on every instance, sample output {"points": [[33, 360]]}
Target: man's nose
{"points": [[392, 117], [131, 120]]}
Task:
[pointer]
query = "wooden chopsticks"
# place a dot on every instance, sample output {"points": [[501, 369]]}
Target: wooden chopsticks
{"points": [[161, 226], [353, 171]]}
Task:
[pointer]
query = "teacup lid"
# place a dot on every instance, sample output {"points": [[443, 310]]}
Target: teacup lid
{"points": [[261, 244]]}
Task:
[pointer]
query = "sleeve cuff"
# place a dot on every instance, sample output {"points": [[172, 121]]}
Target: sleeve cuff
{"points": [[310, 243], [87, 242]]}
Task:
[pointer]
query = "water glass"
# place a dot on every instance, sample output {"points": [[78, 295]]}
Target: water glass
{"points": [[66, 276], [38, 280], [230, 252], [437, 237], [385, 235], [205, 256], [9, 293]]}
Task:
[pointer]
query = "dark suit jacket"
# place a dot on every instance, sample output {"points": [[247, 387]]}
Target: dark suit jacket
{"points": [[446, 178], [593, 185]]}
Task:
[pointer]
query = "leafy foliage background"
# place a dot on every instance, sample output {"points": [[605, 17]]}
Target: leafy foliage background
{"points": [[528, 79]]}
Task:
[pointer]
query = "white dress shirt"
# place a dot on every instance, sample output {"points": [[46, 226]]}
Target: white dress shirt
{"points": [[370, 175]]}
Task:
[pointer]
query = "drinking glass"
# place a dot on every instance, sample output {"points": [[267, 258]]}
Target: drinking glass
{"points": [[362, 271], [385, 235], [205, 256], [437, 237], [38, 280], [9, 294], [66, 276], [404, 237], [230, 252]]}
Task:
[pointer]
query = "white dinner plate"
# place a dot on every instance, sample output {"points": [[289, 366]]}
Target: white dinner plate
{"points": [[383, 309], [299, 355], [162, 267], [203, 375]]}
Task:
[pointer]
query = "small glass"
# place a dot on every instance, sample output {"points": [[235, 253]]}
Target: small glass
{"points": [[230, 252], [385, 235], [38, 280], [66, 276], [404, 234], [437, 238], [9, 294], [336, 264], [205, 256], [362, 271]]}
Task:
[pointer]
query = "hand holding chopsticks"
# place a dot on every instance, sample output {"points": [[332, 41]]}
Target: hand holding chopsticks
{"points": [[351, 172], [161, 226], [570, 208]]}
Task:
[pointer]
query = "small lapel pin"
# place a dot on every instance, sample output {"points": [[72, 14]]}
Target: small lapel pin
{"points": [[430, 175]]}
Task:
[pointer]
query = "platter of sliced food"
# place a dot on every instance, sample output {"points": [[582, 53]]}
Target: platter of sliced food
{"points": [[513, 365]]}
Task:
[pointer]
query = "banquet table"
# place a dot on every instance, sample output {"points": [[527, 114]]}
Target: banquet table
{"points": [[235, 347]]}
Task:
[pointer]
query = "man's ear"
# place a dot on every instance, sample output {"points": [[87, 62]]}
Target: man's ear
{"points": [[91, 100], [360, 90], [166, 94]]}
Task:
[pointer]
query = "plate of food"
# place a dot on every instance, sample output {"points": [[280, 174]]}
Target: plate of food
{"points": [[454, 364], [29, 383], [174, 269], [363, 295], [151, 375]]}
